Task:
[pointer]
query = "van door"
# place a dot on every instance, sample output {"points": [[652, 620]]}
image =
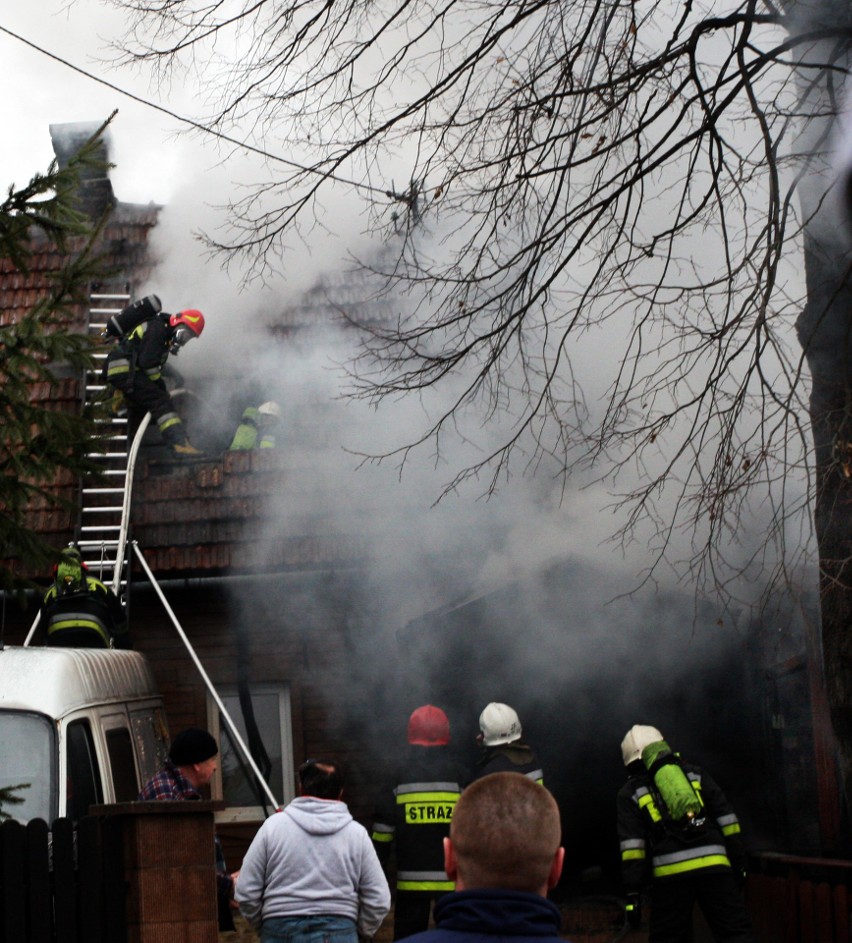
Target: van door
{"points": [[83, 777]]}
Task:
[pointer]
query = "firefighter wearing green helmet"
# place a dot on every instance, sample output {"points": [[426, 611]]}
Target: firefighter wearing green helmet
{"points": [[679, 835], [79, 611]]}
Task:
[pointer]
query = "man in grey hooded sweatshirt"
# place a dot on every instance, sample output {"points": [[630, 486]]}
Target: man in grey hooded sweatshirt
{"points": [[311, 874]]}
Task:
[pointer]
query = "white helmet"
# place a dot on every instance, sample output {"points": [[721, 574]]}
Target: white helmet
{"points": [[635, 741], [270, 408], [499, 724]]}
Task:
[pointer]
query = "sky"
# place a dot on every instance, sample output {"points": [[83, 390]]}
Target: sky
{"points": [[151, 164]]}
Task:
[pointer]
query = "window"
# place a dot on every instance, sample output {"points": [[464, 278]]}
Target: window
{"points": [[121, 764], [151, 735], [234, 781], [28, 765], [83, 775]]}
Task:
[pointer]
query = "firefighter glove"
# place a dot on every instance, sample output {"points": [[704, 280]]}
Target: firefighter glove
{"points": [[633, 911]]}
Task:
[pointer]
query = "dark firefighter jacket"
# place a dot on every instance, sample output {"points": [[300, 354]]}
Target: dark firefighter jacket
{"points": [[146, 348], [653, 846], [414, 815], [89, 617], [514, 757]]}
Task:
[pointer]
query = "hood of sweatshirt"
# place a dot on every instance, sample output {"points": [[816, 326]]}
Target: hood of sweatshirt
{"points": [[318, 816]]}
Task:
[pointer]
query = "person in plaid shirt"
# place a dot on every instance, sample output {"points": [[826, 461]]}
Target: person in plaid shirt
{"points": [[192, 760]]}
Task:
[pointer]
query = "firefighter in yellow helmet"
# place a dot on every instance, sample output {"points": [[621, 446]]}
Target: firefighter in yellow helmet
{"points": [[135, 367], [413, 818], [680, 836]]}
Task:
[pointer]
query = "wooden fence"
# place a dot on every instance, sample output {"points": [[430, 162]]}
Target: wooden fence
{"points": [[63, 884], [800, 900]]}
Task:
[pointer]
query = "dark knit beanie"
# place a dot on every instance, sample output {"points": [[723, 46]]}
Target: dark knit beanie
{"points": [[192, 746]]}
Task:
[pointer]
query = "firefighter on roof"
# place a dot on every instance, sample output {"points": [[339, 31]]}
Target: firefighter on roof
{"points": [[503, 750], [78, 611], [135, 366], [414, 816], [678, 832], [257, 428]]}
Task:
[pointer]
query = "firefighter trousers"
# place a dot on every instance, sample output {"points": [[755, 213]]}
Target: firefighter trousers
{"points": [[411, 912], [720, 899], [151, 396]]}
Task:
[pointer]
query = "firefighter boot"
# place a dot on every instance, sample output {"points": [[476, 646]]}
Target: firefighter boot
{"points": [[186, 450]]}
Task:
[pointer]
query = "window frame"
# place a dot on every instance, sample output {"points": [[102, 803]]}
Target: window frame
{"points": [[283, 691]]}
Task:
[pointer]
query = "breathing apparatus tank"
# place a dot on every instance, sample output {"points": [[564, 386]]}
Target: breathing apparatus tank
{"points": [[121, 324], [675, 789]]}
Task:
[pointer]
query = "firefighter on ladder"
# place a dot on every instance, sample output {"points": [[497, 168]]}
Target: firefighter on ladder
{"points": [[677, 828], [414, 814], [135, 367], [78, 611]]}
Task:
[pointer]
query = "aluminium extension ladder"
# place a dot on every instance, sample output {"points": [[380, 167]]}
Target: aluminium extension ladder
{"points": [[105, 504]]}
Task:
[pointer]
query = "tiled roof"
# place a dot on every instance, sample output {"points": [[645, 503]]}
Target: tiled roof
{"points": [[210, 518], [122, 246]]}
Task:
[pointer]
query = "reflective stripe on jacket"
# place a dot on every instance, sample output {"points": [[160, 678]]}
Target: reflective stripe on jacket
{"points": [[413, 818], [653, 846]]}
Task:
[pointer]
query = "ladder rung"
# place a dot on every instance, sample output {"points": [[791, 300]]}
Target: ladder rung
{"points": [[97, 543], [103, 490], [106, 454], [118, 420], [102, 510], [102, 528]]}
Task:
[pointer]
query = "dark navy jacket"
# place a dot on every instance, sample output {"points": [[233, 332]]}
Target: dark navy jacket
{"points": [[488, 915]]}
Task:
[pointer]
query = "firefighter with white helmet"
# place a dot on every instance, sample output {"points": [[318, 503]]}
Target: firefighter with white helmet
{"points": [[503, 750], [413, 818], [136, 365], [257, 427], [679, 834]]}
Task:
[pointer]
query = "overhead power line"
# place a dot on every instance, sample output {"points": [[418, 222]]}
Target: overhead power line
{"points": [[190, 121]]}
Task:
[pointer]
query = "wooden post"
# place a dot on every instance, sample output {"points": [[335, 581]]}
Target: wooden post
{"points": [[170, 870]]}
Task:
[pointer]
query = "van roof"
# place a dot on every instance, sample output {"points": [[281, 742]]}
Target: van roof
{"points": [[54, 681]]}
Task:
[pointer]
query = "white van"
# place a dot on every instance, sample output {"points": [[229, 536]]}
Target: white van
{"points": [[78, 727]]}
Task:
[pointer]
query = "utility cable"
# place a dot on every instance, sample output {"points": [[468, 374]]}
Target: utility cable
{"points": [[243, 145]]}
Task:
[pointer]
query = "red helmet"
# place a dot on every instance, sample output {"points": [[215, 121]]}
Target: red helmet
{"points": [[192, 318], [428, 727]]}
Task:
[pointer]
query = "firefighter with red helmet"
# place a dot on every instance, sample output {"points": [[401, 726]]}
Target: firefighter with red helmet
{"points": [[413, 818], [136, 365]]}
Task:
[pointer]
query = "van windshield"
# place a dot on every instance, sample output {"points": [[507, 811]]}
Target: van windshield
{"points": [[27, 766]]}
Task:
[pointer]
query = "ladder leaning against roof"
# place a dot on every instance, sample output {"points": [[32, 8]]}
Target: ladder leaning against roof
{"points": [[105, 505]]}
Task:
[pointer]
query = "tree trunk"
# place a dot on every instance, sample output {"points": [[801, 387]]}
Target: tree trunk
{"points": [[824, 331]]}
